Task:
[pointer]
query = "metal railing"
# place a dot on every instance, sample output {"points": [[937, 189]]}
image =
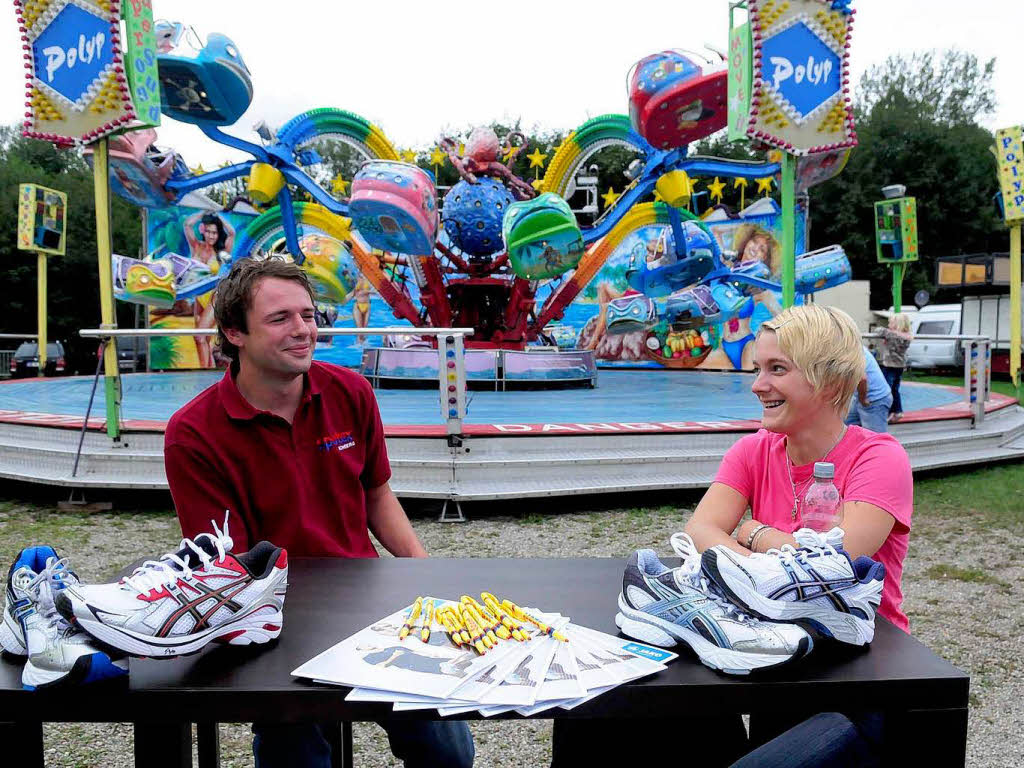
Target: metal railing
{"points": [[451, 369], [977, 368]]}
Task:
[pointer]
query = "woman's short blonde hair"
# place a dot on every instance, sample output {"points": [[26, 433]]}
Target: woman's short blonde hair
{"points": [[824, 344], [902, 322]]}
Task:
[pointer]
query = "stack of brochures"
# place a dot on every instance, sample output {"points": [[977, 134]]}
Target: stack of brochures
{"points": [[417, 661]]}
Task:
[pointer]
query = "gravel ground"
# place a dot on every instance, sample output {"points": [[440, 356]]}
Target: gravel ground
{"points": [[961, 583]]}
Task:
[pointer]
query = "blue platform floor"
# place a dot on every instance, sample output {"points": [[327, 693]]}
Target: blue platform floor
{"points": [[620, 396]]}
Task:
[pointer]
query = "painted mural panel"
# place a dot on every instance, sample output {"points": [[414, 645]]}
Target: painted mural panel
{"points": [[755, 235]]}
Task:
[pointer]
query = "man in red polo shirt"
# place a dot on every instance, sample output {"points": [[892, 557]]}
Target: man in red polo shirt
{"points": [[294, 450]]}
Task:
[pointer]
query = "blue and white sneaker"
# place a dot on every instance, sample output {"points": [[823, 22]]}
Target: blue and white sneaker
{"points": [[666, 606], [58, 652], [817, 583]]}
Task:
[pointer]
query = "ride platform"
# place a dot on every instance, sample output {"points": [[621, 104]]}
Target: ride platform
{"points": [[637, 430]]}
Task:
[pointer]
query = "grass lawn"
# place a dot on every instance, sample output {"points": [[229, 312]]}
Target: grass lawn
{"points": [[1001, 385]]}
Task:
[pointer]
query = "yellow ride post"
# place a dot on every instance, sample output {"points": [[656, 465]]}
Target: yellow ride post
{"points": [[104, 251], [41, 311]]}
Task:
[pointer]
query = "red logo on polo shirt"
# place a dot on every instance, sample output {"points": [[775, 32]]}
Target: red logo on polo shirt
{"points": [[339, 441]]}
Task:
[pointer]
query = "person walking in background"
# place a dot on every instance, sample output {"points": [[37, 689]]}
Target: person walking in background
{"points": [[869, 407], [895, 342]]}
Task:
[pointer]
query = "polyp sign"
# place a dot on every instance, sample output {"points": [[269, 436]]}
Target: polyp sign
{"points": [[76, 86], [1010, 155], [800, 93]]}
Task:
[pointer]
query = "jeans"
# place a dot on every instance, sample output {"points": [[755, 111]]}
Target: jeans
{"points": [[829, 740], [874, 416], [419, 743], [894, 376]]}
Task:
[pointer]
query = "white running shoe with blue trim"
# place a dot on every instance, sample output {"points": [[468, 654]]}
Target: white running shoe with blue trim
{"points": [[666, 606], [817, 583], [58, 652]]}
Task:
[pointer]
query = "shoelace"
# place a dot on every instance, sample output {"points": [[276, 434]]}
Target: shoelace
{"points": [[811, 542], [683, 546], [154, 574], [52, 578]]}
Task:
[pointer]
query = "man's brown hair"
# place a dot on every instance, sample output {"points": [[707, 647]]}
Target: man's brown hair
{"points": [[235, 294]]}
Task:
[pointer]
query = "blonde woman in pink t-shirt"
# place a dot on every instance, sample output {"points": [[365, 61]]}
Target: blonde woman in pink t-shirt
{"points": [[808, 362]]}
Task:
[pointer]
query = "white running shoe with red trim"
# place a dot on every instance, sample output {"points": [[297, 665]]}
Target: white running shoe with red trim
{"points": [[180, 603]]}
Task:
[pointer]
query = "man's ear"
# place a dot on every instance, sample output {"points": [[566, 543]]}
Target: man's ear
{"points": [[235, 336]]}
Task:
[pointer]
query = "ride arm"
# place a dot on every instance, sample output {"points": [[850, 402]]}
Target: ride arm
{"points": [[699, 165], [629, 198], [181, 187], [301, 179], [234, 142], [755, 281]]}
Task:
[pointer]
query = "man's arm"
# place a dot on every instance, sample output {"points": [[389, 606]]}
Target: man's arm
{"points": [[388, 522]]}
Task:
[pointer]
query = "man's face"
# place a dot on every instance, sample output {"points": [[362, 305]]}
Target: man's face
{"points": [[282, 330]]}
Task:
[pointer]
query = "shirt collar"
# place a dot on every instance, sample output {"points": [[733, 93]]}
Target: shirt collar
{"points": [[238, 407]]}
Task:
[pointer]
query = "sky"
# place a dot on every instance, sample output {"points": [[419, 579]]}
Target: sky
{"points": [[416, 70]]}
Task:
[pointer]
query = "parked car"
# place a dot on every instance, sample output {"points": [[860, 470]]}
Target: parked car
{"points": [[935, 320], [26, 360], [131, 353]]}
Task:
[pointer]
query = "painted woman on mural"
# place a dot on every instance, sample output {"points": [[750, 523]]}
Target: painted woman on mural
{"points": [[751, 243], [210, 240]]}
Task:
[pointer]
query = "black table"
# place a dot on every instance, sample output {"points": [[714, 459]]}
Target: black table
{"points": [[330, 599]]}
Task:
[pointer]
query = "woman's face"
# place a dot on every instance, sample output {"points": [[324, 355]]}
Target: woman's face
{"points": [[789, 404], [892, 323], [210, 233], [756, 249]]}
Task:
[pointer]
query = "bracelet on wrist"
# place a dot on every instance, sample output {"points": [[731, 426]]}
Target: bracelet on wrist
{"points": [[757, 536], [749, 543]]}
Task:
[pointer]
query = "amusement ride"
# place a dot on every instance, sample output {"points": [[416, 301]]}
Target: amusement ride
{"points": [[479, 255]]}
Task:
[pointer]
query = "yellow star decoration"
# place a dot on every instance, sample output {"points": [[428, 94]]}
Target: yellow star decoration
{"points": [[610, 197], [765, 185], [408, 155], [339, 186], [438, 156], [506, 153], [715, 189], [739, 182], [198, 170], [537, 184], [537, 158], [693, 184]]}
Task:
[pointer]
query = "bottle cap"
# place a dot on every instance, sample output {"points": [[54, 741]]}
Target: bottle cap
{"points": [[824, 470]]}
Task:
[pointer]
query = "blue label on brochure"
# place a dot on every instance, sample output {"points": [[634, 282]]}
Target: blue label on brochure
{"points": [[654, 654]]}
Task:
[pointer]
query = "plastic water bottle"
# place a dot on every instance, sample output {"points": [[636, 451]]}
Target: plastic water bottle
{"points": [[822, 509]]}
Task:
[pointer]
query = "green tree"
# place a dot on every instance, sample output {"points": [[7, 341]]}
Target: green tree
{"points": [[72, 279], [917, 125]]}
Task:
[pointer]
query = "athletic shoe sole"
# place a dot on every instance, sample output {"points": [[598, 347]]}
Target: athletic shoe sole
{"points": [[243, 629], [87, 669], [654, 631], [10, 639], [736, 583]]}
